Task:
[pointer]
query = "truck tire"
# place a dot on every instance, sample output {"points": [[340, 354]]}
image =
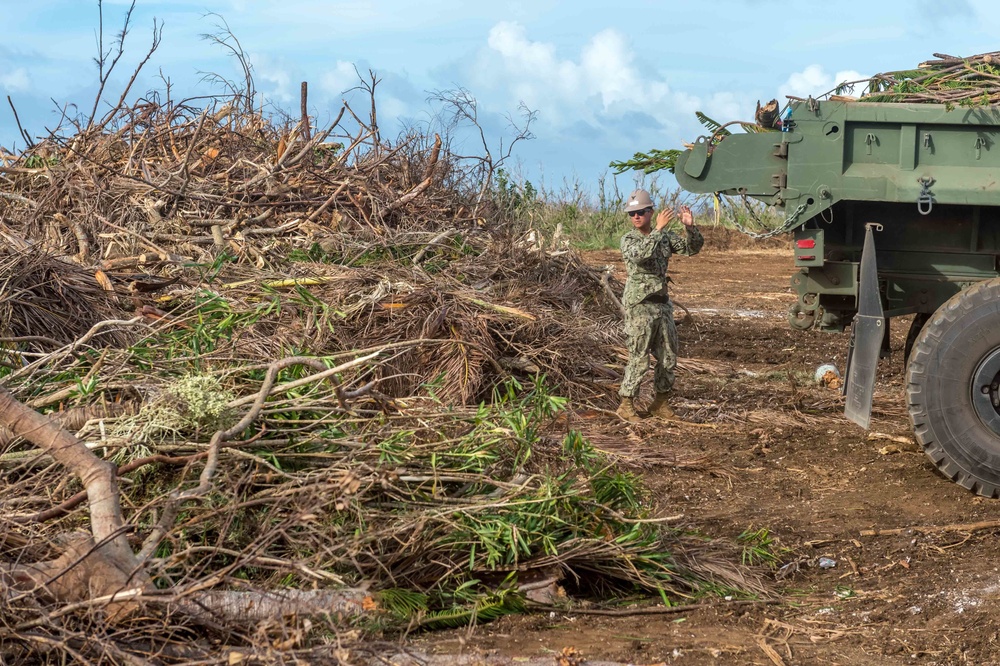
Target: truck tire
{"points": [[953, 388], [916, 326]]}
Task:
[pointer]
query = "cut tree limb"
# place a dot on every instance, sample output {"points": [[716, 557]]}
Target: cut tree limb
{"points": [[937, 529], [425, 183], [419, 256], [606, 284], [104, 564]]}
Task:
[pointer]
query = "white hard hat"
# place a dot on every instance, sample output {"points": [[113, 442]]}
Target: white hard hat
{"points": [[638, 200]]}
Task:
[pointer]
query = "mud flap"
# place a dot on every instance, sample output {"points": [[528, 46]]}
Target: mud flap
{"points": [[867, 332]]}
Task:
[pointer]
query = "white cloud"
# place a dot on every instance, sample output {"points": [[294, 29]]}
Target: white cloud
{"points": [[603, 82], [274, 79], [16, 80], [391, 107], [727, 106], [815, 81], [337, 81]]}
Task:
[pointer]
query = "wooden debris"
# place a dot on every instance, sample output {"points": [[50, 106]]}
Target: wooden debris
{"points": [[767, 115], [954, 81], [936, 529]]}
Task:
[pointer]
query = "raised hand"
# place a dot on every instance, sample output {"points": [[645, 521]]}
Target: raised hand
{"points": [[687, 217], [663, 219]]}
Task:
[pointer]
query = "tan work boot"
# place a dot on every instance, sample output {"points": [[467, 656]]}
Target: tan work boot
{"points": [[626, 411], [659, 407]]}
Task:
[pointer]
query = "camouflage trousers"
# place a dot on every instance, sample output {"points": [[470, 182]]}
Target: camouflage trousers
{"points": [[649, 329]]}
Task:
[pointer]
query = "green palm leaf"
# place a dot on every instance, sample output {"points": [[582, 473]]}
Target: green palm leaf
{"points": [[712, 125], [486, 609]]}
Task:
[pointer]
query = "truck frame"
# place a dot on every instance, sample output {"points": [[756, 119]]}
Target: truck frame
{"points": [[895, 211]]}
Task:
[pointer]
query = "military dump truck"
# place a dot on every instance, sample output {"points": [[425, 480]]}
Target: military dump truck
{"points": [[895, 211]]}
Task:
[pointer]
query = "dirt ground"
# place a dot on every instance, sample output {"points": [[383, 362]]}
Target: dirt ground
{"points": [[782, 457]]}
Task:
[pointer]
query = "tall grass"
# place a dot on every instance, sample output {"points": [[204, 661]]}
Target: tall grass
{"points": [[595, 220]]}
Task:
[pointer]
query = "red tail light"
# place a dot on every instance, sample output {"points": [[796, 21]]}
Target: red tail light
{"points": [[805, 244]]}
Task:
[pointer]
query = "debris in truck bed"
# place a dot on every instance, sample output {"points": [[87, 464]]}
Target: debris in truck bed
{"points": [[951, 80]]}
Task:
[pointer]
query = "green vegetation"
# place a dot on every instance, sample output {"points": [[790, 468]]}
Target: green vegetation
{"points": [[665, 160], [39, 162], [572, 217], [453, 507], [760, 548]]}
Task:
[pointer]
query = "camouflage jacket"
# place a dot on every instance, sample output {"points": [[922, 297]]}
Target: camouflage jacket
{"points": [[646, 259]]}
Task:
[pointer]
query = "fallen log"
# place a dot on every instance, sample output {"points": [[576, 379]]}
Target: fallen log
{"points": [[936, 529]]}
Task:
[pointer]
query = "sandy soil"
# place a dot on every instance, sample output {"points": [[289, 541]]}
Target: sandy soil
{"points": [[915, 581]]}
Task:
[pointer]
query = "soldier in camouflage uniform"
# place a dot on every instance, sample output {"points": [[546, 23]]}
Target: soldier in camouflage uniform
{"points": [[649, 314]]}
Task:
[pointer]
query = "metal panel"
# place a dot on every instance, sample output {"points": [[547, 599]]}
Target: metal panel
{"points": [[867, 332]]}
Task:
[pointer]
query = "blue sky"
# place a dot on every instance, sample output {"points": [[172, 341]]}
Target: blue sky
{"points": [[605, 79]]}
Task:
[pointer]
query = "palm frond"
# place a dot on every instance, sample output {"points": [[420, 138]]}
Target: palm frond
{"points": [[715, 126], [654, 160], [486, 609], [401, 603]]}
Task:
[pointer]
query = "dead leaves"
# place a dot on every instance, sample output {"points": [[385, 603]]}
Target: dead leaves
{"points": [[570, 656], [831, 380], [899, 444], [774, 633]]}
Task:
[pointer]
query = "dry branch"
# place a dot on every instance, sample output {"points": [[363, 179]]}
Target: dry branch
{"points": [[935, 529], [102, 566]]}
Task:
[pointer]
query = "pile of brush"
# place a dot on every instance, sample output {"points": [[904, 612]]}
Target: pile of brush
{"points": [[329, 372], [949, 80], [140, 215]]}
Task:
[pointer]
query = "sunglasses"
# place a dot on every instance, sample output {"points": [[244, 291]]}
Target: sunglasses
{"points": [[639, 213]]}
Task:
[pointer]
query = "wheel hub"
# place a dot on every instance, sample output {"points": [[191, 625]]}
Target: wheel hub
{"points": [[986, 391]]}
